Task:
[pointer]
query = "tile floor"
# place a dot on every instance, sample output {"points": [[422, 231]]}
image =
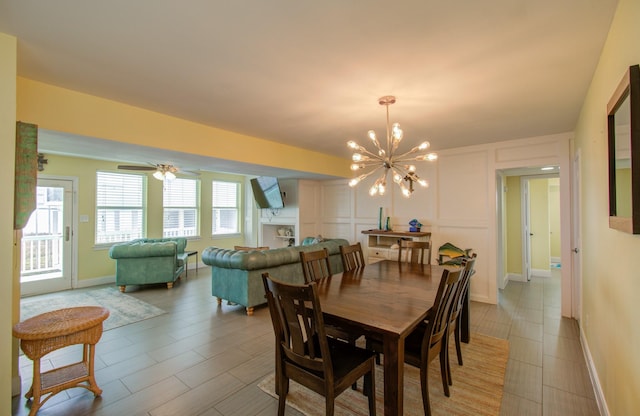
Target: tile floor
{"points": [[201, 359]]}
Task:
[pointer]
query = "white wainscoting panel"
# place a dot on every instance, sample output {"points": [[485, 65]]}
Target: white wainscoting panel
{"points": [[475, 238], [337, 230], [463, 186]]}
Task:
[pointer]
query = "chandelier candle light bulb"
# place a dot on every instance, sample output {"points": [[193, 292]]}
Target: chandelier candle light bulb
{"points": [[388, 160]]}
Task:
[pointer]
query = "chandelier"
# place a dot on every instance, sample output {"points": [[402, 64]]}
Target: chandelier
{"points": [[388, 159], [165, 172]]}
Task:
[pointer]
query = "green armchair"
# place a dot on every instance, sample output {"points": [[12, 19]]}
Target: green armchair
{"points": [[147, 261]]}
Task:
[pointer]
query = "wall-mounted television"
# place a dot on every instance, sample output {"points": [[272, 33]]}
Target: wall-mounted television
{"points": [[266, 192]]}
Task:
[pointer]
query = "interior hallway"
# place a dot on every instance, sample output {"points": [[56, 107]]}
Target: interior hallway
{"points": [[546, 372]]}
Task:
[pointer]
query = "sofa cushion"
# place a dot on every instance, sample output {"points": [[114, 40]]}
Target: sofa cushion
{"points": [[141, 249], [257, 260]]}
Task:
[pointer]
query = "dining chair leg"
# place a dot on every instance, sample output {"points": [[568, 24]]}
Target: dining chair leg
{"points": [[370, 389], [330, 404], [424, 384], [458, 348], [282, 397], [443, 370], [449, 378], [352, 341]]}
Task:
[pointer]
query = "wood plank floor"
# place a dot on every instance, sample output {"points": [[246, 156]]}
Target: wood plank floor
{"points": [[202, 359]]}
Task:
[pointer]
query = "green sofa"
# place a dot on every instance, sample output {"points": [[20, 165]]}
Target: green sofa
{"points": [[149, 261], [237, 275]]}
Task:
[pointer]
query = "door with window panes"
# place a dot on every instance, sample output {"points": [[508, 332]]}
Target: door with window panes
{"points": [[46, 250]]}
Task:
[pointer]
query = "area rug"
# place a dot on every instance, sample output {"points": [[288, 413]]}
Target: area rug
{"points": [[124, 309], [477, 385]]}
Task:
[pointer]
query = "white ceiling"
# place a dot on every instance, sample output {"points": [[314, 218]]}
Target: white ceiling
{"points": [[309, 73]]}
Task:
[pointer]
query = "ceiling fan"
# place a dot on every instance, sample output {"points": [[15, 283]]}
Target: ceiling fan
{"points": [[162, 171]]}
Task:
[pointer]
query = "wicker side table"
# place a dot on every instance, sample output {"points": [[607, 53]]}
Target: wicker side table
{"points": [[50, 331]]}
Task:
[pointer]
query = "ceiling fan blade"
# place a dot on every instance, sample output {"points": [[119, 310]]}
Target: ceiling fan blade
{"points": [[188, 172], [134, 167]]}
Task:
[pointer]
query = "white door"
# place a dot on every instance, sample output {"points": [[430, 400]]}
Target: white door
{"points": [[47, 243]]}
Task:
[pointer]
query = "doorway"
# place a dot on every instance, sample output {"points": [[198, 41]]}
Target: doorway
{"points": [[530, 222], [540, 225], [47, 244]]}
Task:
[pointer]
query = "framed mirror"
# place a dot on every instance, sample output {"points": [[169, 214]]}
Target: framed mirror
{"points": [[623, 125]]}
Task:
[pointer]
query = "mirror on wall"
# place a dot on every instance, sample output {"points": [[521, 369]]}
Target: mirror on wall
{"points": [[623, 120]]}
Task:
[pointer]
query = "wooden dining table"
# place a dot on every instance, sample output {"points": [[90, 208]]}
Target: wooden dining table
{"points": [[385, 301]]}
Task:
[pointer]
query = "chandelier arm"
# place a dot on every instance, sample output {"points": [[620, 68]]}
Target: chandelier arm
{"points": [[410, 152], [369, 163], [401, 171], [366, 175], [365, 151]]}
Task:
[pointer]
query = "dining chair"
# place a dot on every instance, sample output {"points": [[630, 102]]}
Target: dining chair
{"points": [[315, 265], [304, 352], [315, 268], [429, 338], [352, 257], [414, 251], [453, 325]]}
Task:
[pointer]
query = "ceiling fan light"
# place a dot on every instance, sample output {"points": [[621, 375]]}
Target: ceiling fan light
{"points": [[158, 175], [169, 176]]}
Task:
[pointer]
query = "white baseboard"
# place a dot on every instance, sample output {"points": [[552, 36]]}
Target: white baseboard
{"points": [[516, 277], [104, 280], [502, 283], [555, 259], [593, 374], [540, 273], [16, 386]]}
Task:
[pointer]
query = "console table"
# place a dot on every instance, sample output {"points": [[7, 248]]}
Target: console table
{"points": [[50, 331], [378, 243], [189, 254]]}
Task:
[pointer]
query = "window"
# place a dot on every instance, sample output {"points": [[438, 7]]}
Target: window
{"points": [[120, 207], [181, 213], [225, 208]]}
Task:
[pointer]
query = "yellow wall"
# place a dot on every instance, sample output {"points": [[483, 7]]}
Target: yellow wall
{"points": [[95, 262], [10, 287], [554, 217], [69, 111], [610, 285], [514, 226]]}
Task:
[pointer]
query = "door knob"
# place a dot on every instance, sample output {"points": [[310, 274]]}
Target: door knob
{"points": [[575, 250]]}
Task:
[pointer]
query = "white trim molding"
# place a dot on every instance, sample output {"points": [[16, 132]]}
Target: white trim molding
{"points": [[593, 374]]}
